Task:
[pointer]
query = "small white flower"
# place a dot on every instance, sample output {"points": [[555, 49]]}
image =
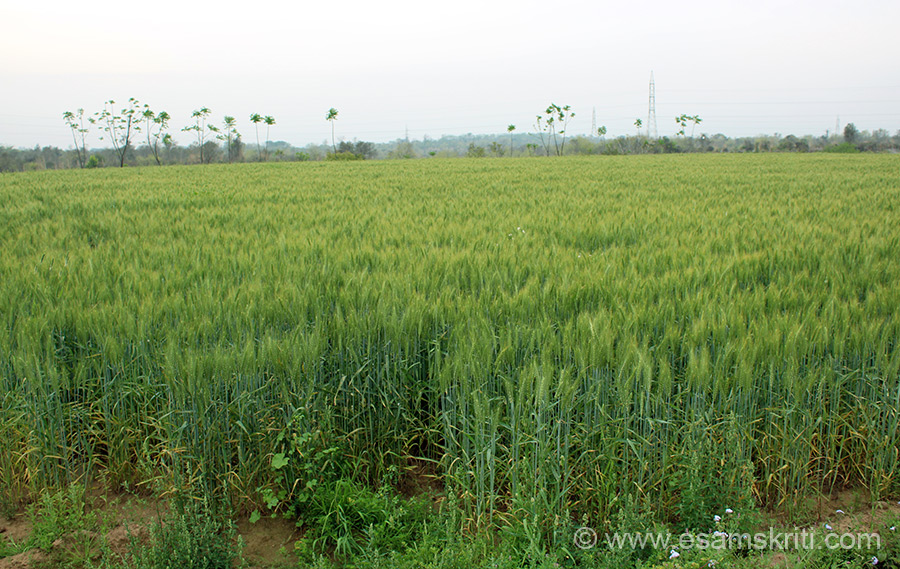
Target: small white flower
{"points": [[729, 511], [893, 528], [717, 518], [839, 511], [828, 527], [874, 561], [674, 554], [712, 563]]}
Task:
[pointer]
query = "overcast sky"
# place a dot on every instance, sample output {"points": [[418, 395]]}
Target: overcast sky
{"points": [[452, 68]]}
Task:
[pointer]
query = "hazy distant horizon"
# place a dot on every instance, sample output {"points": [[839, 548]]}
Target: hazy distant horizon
{"points": [[470, 68]]}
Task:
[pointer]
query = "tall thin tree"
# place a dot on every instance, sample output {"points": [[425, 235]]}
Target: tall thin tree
{"points": [[75, 121], [638, 123], [200, 128], [270, 121], [332, 116], [120, 128], [231, 137], [155, 125], [256, 118]]}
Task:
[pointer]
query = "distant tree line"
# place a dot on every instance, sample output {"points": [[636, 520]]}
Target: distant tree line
{"points": [[138, 136]]}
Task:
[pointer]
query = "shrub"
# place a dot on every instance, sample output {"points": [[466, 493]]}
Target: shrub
{"points": [[343, 156], [191, 537], [842, 148]]}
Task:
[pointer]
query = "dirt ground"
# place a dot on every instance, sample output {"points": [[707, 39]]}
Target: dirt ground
{"points": [[269, 543]]}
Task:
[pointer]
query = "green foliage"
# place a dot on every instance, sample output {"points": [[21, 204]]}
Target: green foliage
{"points": [[55, 515], [190, 537], [343, 156], [436, 549], [8, 547], [666, 145], [63, 528], [119, 127], [257, 118], [232, 139], [365, 150], [842, 148], [404, 151], [551, 127], [682, 121], [270, 122], [332, 116], [156, 126], [791, 143], [314, 484], [699, 497], [202, 130], [475, 151], [75, 121], [348, 518], [611, 149], [549, 339]]}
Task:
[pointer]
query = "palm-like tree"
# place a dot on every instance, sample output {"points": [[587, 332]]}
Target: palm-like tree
{"points": [[256, 118], [332, 116], [230, 134], [510, 130], [269, 120], [638, 123]]}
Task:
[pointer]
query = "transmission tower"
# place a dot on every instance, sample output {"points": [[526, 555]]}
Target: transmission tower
{"points": [[651, 115], [594, 122]]}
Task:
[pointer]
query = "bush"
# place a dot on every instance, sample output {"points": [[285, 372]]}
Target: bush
{"points": [[475, 151], [314, 483], [342, 156], [192, 537], [842, 148], [55, 515]]}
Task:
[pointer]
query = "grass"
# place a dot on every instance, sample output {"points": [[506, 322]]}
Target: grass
{"points": [[555, 335]]}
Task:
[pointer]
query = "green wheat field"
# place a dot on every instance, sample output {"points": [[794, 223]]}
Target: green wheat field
{"points": [[546, 339]]}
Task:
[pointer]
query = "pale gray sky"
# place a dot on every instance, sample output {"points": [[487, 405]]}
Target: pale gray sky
{"points": [[466, 66]]}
